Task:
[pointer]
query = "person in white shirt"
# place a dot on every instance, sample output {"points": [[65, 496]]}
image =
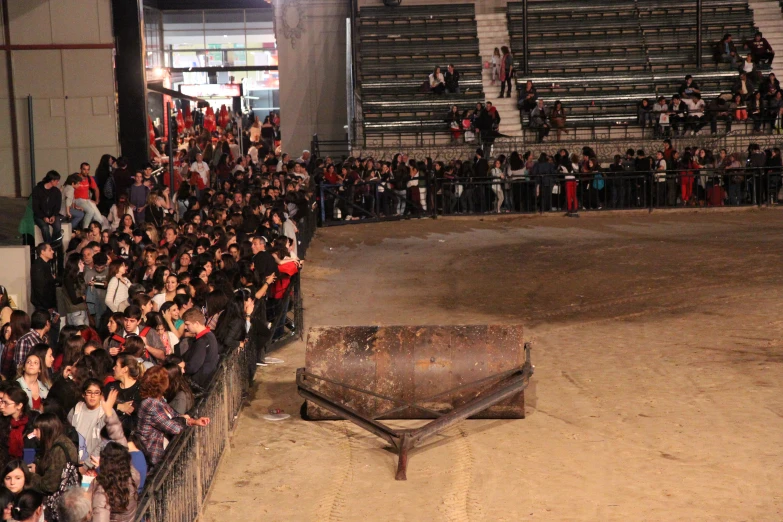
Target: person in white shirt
{"points": [[202, 168], [695, 119], [240, 165], [253, 152], [437, 82], [283, 161], [660, 179]]}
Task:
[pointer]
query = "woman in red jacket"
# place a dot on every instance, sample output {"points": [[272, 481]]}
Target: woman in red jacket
{"points": [[278, 297]]}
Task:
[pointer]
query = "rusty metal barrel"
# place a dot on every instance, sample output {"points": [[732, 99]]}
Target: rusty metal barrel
{"points": [[413, 372]]}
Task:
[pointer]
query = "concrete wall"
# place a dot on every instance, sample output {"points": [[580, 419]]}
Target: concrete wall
{"points": [[72, 88], [15, 261], [312, 71]]}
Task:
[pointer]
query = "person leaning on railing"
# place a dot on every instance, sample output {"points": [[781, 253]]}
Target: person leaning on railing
{"points": [[158, 420]]}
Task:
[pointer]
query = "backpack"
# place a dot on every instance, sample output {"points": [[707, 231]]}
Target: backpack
{"points": [[69, 478], [108, 187]]}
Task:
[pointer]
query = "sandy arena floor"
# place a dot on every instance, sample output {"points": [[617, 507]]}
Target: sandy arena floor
{"points": [[658, 393]]}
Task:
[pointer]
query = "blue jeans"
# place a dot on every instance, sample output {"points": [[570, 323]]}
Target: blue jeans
{"points": [[91, 211], [56, 228]]}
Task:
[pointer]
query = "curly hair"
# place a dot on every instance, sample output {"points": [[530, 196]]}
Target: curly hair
{"points": [[115, 476], [154, 383]]}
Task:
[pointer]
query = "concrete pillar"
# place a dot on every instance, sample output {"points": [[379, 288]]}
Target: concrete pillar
{"points": [[312, 54]]}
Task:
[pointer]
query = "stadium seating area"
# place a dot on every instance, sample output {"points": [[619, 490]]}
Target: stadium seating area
{"points": [[399, 48], [600, 58]]}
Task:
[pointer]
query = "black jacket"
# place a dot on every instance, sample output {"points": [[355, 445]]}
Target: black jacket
{"points": [[46, 202], [264, 265], [229, 334], [481, 168], [452, 80], [201, 360], [44, 291]]}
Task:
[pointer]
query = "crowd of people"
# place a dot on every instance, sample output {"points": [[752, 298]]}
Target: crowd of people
{"points": [[162, 279], [754, 98], [523, 182]]}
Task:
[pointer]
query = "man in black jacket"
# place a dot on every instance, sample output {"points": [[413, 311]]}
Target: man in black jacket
{"points": [[43, 295], [201, 359], [452, 80], [47, 200]]}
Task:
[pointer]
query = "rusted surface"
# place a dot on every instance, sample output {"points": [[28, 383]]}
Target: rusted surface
{"points": [[414, 364]]}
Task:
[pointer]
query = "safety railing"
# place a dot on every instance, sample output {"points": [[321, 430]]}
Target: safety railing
{"points": [[562, 192], [177, 488]]}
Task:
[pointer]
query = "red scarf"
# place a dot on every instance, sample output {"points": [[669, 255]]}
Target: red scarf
{"points": [[16, 438]]}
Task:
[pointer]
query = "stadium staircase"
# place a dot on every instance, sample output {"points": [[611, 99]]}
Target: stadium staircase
{"points": [[769, 19], [493, 33]]}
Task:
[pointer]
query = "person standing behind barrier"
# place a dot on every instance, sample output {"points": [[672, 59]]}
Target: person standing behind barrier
{"points": [[660, 179], [543, 174], [506, 71], [401, 187], [497, 184]]}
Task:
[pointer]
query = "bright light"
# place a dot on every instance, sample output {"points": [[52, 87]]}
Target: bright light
{"points": [[157, 71], [225, 36]]}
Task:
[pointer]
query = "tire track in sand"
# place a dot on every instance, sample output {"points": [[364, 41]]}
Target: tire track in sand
{"points": [[460, 504], [332, 503]]}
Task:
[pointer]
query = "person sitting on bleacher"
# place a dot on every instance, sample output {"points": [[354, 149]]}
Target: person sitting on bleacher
{"points": [[756, 110], [437, 82], [528, 100], [645, 114], [774, 108], [661, 117], [769, 87], [452, 80], [738, 108], [538, 120], [688, 88], [752, 72], [742, 86], [726, 51], [677, 114], [557, 119], [720, 110], [695, 119], [46, 202], [760, 49]]}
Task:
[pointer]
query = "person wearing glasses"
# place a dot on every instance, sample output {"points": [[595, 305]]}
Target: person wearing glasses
{"points": [[88, 418]]}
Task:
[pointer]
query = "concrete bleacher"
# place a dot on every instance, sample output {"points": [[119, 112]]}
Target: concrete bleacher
{"points": [[398, 49], [600, 58]]}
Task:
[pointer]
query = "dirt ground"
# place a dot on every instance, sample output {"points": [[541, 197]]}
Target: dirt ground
{"points": [[658, 392]]}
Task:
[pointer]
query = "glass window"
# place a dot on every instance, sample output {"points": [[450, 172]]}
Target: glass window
{"points": [[224, 29], [260, 29], [183, 30]]}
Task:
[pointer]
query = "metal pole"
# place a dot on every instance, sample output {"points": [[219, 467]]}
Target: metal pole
{"points": [[525, 66], [31, 130], [172, 124], [698, 32]]}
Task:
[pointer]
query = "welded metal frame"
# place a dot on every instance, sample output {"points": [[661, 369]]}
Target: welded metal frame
{"points": [[508, 384]]}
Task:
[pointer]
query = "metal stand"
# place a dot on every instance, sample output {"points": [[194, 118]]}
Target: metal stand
{"points": [[505, 386]]}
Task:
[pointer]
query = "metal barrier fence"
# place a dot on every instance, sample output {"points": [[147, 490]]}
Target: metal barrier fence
{"points": [[600, 190], [176, 490]]}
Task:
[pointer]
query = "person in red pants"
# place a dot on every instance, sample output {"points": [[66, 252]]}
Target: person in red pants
{"points": [[687, 178]]}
